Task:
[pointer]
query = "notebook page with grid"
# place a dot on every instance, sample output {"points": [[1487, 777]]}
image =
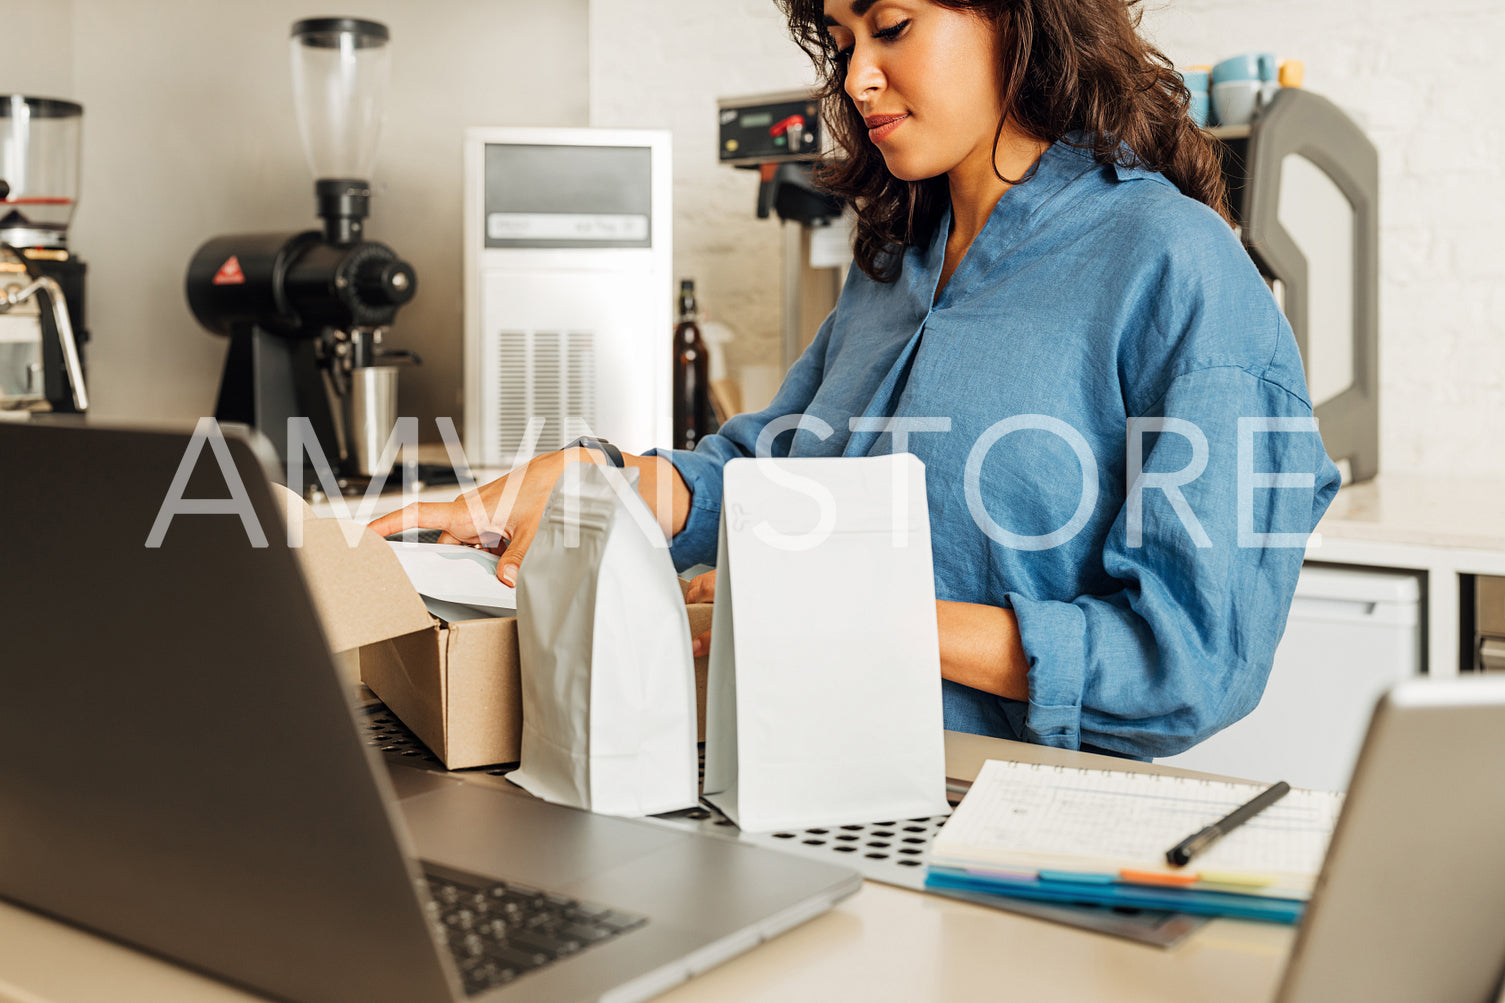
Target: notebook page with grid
{"points": [[1029, 817]]}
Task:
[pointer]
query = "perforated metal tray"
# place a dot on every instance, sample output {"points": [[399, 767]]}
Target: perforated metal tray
{"points": [[891, 851]]}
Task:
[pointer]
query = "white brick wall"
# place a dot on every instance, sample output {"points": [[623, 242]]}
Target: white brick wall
{"points": [[1422, 79]]}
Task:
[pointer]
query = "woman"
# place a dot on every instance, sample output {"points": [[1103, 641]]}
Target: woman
{"points": [[1041, 260]]}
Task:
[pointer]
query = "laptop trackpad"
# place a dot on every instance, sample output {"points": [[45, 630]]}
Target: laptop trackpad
{"points": [[523, 839]]}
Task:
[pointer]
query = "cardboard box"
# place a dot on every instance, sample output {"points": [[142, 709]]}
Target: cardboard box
{"points": [[455, 685]]}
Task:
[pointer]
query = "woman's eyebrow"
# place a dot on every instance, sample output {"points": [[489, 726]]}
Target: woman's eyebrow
{"points": [[859, 8]]}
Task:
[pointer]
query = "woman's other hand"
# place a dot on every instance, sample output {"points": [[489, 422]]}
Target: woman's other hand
{"points": [[702, 589]]}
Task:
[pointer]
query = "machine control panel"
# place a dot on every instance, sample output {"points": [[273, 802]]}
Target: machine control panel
{"points": [[770, 128]]}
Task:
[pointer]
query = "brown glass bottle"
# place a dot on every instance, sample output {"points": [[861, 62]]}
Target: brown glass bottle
{"points": [[692, 374]]}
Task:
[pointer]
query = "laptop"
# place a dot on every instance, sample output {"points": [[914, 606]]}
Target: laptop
{"points": [[183, 772], [1410, 904]]}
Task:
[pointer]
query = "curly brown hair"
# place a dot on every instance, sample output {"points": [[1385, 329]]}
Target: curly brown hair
{"points": [[1068, 66]]}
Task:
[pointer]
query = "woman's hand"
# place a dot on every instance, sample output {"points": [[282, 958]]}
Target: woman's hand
{"points": [[702, 589], [503, 515]]}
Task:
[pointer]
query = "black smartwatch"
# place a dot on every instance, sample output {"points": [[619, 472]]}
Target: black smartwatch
{"points": [[601, 446]]}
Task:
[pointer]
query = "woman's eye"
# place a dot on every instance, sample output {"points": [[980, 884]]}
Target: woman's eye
{"points": [[883, 34]]}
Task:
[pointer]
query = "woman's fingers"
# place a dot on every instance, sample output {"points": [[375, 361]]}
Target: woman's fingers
{"points": [[422, 515], [702, 588], [512, 557], [501, 516]]}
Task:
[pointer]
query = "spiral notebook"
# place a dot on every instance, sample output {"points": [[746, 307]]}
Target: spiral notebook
{"points": [[1098, 835]]}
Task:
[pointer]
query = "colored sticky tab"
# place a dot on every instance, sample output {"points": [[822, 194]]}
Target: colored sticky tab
{"points": [[1237, 879], [1078, 877], [1160, 878]]}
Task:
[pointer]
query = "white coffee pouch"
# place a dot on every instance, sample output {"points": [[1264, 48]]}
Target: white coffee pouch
{"points": [[608, 681]]}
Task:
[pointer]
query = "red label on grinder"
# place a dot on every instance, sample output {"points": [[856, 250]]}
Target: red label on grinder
{"points": [[229, 273]]}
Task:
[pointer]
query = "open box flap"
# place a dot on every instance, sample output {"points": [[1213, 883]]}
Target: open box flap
{"points": [[361, 592]]}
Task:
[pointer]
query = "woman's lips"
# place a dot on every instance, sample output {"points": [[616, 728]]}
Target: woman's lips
{"points": [[880, 127]]}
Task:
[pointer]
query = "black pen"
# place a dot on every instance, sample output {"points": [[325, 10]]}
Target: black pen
{"points": [[1182, 852]]}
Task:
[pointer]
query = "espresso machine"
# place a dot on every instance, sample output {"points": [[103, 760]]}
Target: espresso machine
{"points": [[305, 312], [41, 282], [780, 135]]}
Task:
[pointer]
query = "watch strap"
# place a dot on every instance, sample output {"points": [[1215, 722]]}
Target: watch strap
{"points": [[601, 446]]}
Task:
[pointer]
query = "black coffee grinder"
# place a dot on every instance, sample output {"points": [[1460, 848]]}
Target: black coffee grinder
{"points": [[305, 312]]}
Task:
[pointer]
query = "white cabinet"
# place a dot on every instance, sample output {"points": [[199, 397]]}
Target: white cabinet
{"points": [[1350, 636]]}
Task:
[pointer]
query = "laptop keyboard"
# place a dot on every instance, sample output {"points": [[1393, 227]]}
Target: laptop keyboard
{"points": [[499, 930]]}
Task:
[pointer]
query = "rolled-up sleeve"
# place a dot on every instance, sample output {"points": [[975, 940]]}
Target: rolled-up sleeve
{"points": [[701, 467], [1184, 648]]}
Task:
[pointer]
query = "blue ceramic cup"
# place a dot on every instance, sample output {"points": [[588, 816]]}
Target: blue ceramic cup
{"points": [[1200, 105], [1234, 102], [1196, 81], [1242, 67], [1200, 108]]}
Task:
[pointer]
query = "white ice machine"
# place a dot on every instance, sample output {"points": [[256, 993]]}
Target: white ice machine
{"points": [[568, 289]]}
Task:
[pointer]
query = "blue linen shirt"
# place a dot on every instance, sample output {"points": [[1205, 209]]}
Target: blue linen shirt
{"points": [[1094, 294]]}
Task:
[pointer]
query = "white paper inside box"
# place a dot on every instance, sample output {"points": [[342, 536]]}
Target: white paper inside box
{"points": [[454, 685]]}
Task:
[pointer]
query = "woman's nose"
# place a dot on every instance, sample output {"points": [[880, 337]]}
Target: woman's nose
{"points": [[864, 78]]}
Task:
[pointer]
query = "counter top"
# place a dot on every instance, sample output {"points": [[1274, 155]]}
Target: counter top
{"points": [[1451, 512]]}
